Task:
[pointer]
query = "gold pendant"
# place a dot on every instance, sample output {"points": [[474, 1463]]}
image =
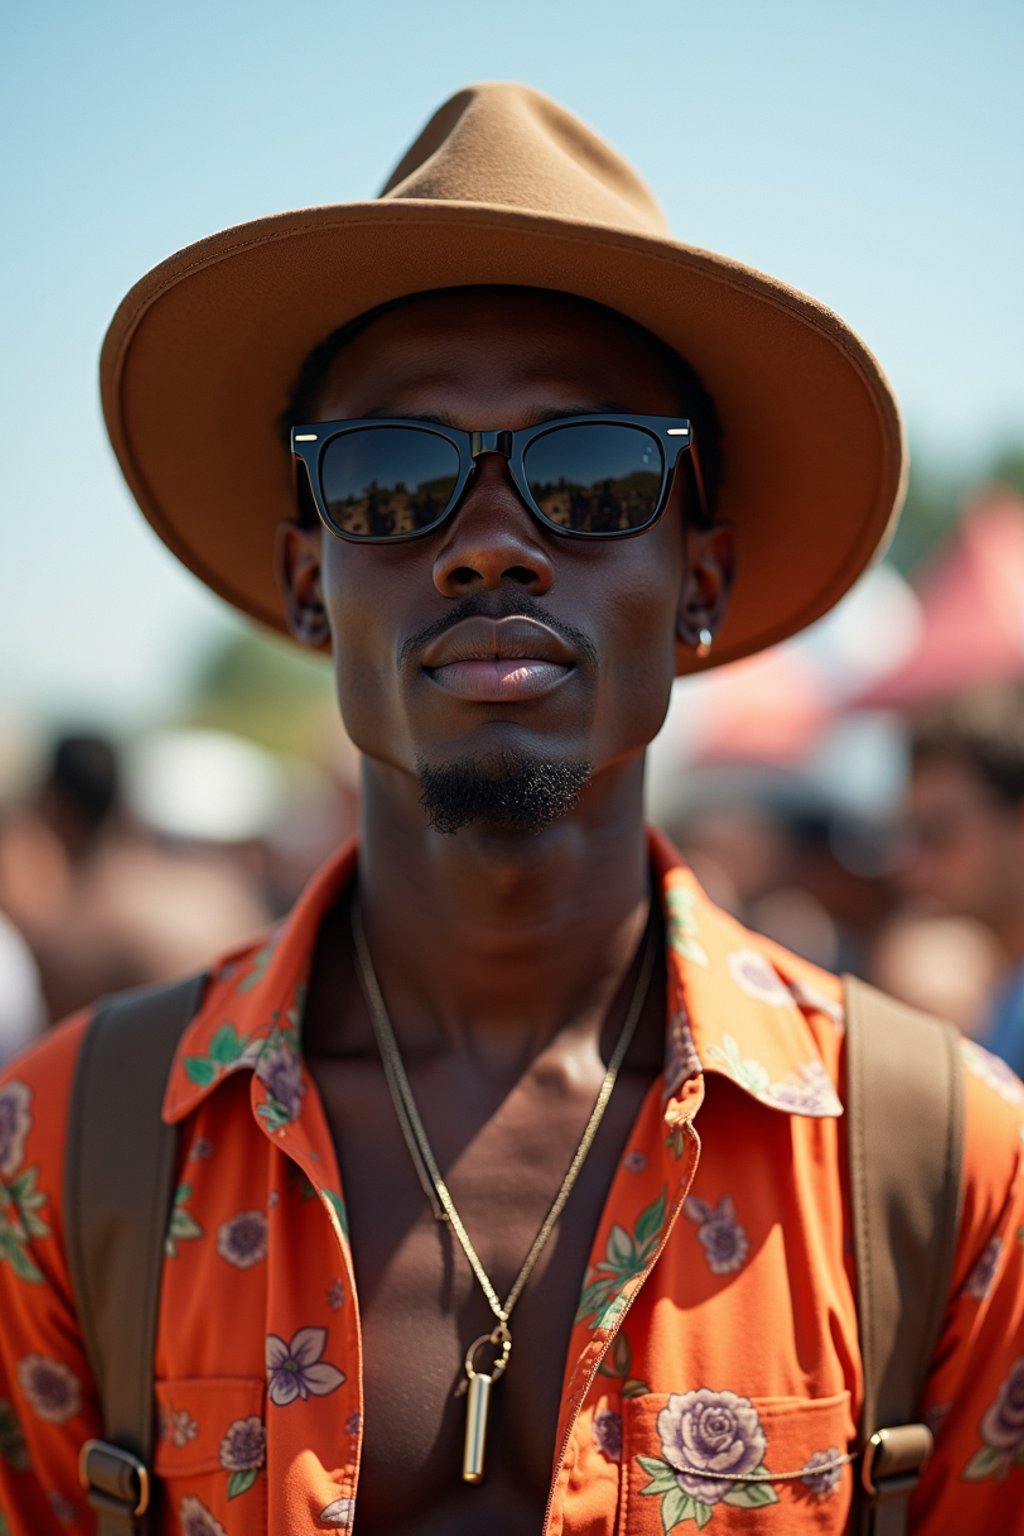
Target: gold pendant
{"points": [[478, 1400]]}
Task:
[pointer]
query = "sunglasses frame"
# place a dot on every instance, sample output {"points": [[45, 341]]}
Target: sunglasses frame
{"points": [[674, 435]]}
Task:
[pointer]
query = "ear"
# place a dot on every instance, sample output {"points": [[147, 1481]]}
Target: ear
{"points": [[297, 562], [707, 583]]}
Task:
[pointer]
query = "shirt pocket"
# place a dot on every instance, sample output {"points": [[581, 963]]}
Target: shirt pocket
{"points": [[735, 1464], [211, 1451]]}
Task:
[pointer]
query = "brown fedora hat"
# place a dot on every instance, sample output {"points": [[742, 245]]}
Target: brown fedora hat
{"points": [[503, 186]]}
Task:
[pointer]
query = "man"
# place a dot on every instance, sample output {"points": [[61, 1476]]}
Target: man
{"points": [[430, 1267], [963, 847]]}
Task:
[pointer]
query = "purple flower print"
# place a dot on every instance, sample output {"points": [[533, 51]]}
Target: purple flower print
{"points": [[1002, 1427], [755, 975], [980, 1280], [181, 1427], [993, 1071], [681, 1059], [822, 1472], [244, 1447], [339, 1514], [353, 1424], [243, 1239], [15, 1121], [336, 1295], [195, 1519], [52, 1391], [296, 1370], [634, 1162], [608, 1434], [807, 996], [62, 1507], [202, 1149], [705, 1433], [281, 1072], [812, 1092], [719, 1233]]}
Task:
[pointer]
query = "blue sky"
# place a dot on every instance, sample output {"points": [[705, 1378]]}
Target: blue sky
{"points": [[869, 154]]}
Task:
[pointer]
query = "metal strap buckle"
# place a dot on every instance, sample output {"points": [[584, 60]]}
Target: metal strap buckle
{"points": [[115, 1481], [894, 1459]]}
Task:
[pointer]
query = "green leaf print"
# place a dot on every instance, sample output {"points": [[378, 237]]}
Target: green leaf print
{"points": [[676, 1507], [337, 1204], [20, 1221], [984, 1463], [260, 961], [12, 1252], [13, 1449], [626, 1257], [663, 1479], [753, 1495], [648, 1228], [182, 1225], [634, 1388], [273, 1113], [200, 1071], [227, 1045], [241, 1482], [618, 1364], [682, 925], [676, 1504], [749, 1073]]}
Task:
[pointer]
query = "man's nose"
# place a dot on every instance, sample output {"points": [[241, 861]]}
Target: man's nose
{"points": [[492, 540]]}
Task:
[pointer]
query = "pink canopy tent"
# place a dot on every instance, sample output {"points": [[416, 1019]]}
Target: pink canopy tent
{"points": [[769, 708], [972, 607]]}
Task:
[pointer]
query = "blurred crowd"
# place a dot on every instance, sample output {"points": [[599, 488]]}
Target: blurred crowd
{"points": [[857, 795], [125, 865]]}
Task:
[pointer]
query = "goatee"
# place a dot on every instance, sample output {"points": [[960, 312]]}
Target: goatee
{"points": [[506, 792]]}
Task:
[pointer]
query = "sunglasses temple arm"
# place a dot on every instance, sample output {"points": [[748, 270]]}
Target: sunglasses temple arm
{"points": [[304, 493], [698, 480]]}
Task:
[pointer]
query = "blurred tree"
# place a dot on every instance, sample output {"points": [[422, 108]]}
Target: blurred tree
{"points": [[1008, 468], [265, 689], [935, 499]]}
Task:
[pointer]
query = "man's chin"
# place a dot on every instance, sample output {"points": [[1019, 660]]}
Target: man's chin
{"points": [[504, 792]]}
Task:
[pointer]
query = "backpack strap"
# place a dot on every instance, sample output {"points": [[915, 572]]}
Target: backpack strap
{"points": [[905, 1112], [119, 1166]]}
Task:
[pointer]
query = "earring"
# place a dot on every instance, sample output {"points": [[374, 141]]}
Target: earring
{"points": [[705, 640]]}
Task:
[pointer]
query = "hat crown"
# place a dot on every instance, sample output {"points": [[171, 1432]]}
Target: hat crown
{"points": [[510, 146]]}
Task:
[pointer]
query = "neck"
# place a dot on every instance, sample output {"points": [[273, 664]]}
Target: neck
{"points": [[497, 942]]}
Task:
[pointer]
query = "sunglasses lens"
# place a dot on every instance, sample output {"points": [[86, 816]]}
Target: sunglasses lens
{"points": [[595, 477], [382, 482]]}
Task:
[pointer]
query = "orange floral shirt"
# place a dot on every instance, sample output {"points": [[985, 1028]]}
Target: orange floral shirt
{"points": [[713, 1376]]}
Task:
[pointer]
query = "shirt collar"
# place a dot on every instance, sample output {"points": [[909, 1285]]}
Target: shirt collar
{"points": [[737, 1005], [742, 1007]]}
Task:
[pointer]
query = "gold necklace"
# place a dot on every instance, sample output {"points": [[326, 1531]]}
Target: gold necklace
{"points": [[481, 1382]]}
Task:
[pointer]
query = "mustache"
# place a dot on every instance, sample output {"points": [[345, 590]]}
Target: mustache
{"points": [[499, 605]]}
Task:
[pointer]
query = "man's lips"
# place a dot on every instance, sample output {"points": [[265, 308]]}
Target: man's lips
{"points": [[498, 660]]}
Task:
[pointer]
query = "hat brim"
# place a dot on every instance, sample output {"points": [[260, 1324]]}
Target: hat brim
{"points": [[200, 357]]}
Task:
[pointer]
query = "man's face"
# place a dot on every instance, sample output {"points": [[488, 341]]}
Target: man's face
{"points": [[405, 620], [962, 847]]}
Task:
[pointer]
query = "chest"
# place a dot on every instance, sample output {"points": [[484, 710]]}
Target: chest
{"points": [[420, 1304]]}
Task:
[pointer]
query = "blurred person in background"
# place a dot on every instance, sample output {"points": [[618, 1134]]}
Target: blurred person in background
{"points": [[962, 845], [99, 895], [949, 966]]}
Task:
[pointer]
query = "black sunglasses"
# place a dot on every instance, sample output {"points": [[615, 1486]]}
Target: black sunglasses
{"points": [[604, 476]]}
